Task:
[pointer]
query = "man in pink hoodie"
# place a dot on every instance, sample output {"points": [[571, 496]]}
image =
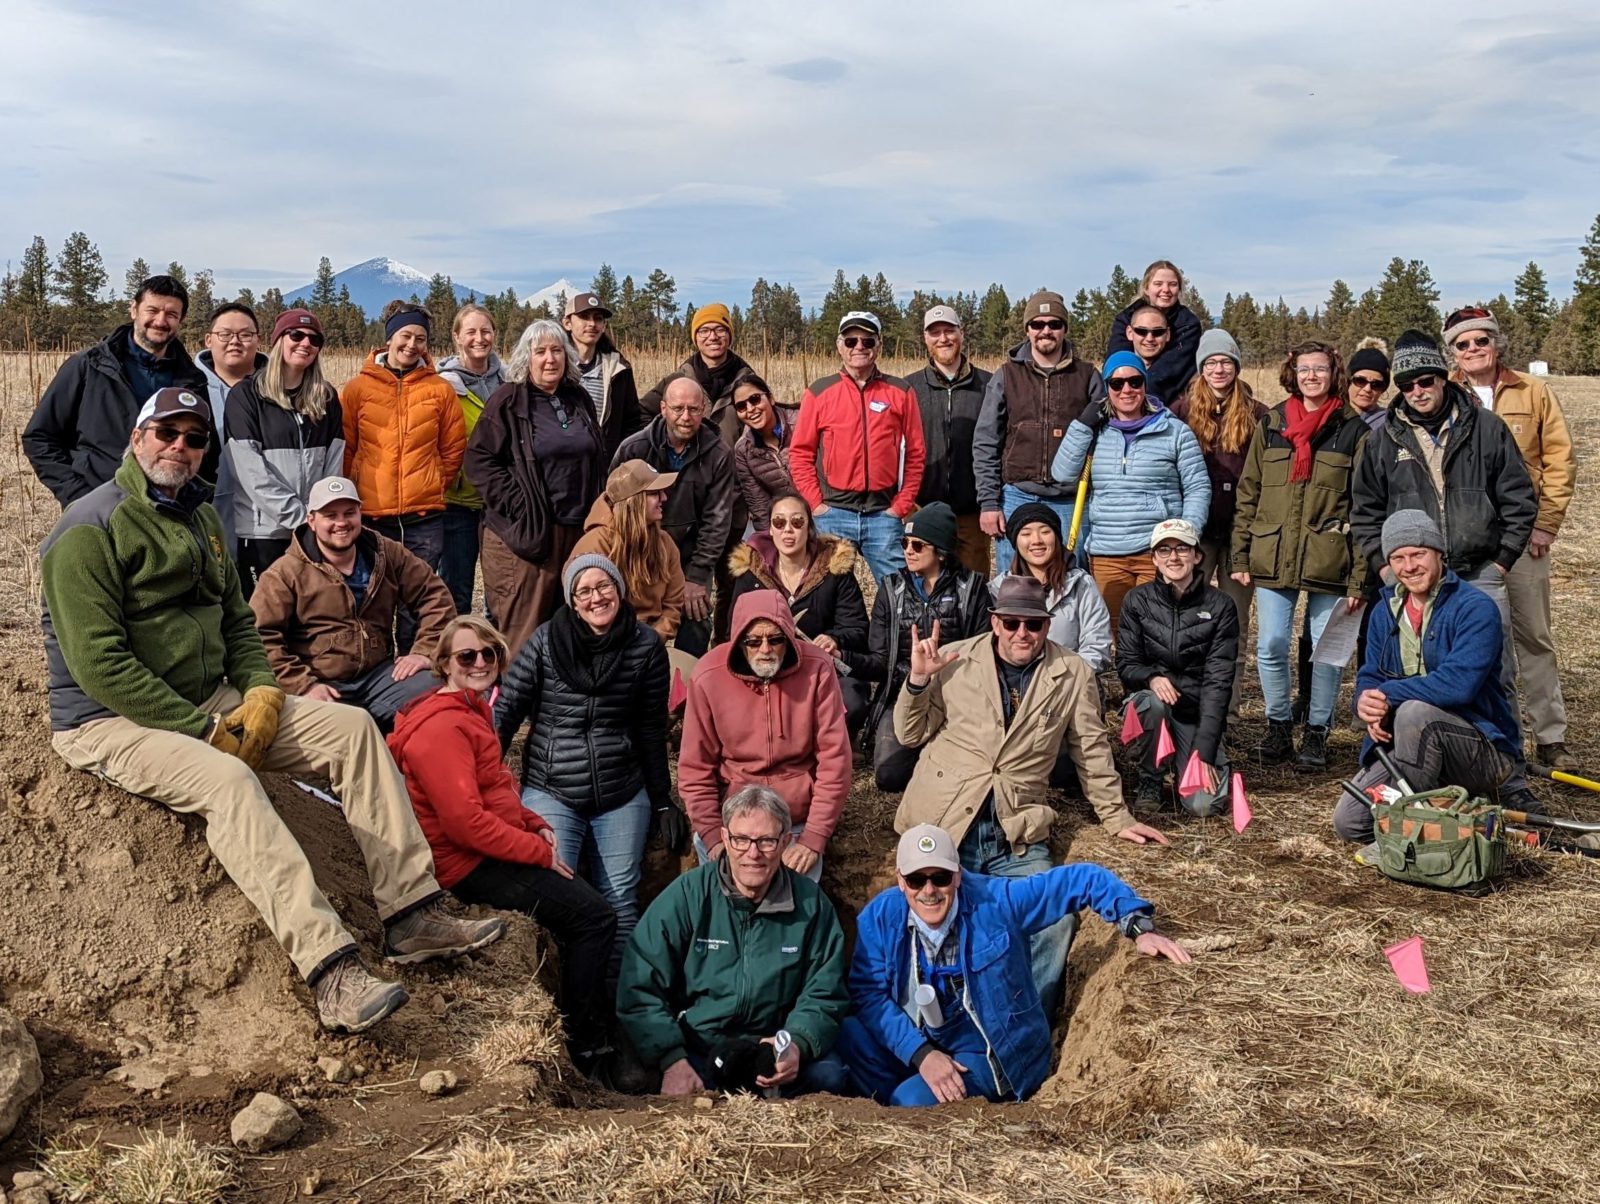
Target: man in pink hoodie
{"points": [[765, 709]]}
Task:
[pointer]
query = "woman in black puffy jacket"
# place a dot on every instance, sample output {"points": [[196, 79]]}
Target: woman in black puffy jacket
{"points": [[594, 765]]}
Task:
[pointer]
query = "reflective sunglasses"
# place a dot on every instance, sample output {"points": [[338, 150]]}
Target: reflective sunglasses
{"points": [[1426, 381], [1148, 332], [1119, 384], [740, 405], [300, 336], [1481, 340], [920, 878], [468, 657], [782, 522], [753, 642], [193, 440], [1033, 625], [1047, 324], [1375, 383], [911, 543], [853, 341]]}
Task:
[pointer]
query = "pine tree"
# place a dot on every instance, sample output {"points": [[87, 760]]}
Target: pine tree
{"points": [[604, 286], [201, 302], [1122, 288], [1533, 302], [138, 273], [175, 270], [323, 295], [33, 280], [269, 308], [661, 295], [839, 301], [881, 301], [1337, 316], [994, 326], [441, 305], [1190, 297], [1408, 299], [80, 274]]}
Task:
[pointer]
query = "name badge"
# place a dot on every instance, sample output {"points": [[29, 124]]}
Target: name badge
{"points": [[877, 407]]}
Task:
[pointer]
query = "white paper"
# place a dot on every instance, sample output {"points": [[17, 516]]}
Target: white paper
{"points": [[1338, 642]]}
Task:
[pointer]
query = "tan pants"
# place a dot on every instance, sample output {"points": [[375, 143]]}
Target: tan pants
{"points": [[247, 836], [974, 549], [1528, 587], [1218, 558], [519, 594], [1116, 575]]}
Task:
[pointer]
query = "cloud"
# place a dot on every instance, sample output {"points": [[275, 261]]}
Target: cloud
{"points": [[813, 71]]}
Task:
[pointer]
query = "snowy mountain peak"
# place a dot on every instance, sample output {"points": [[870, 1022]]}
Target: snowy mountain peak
{"points": [[382, 265]]}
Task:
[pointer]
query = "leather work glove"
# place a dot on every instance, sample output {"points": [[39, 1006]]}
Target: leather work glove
{"points": [[1094, 415], [221, 739], [673, 827], [256, 721]]}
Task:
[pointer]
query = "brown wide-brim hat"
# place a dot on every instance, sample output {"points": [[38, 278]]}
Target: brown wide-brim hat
{"points": [[1020, 598], [634, 477]]}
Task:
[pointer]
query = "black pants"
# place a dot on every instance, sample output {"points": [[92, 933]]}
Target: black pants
{"points": [[256, 556], [582, 923]]}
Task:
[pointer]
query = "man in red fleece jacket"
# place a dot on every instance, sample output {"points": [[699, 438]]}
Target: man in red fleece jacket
{"points": [[764, 709]]}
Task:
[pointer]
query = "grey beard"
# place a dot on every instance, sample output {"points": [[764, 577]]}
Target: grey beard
{"points": [[766, 670]]}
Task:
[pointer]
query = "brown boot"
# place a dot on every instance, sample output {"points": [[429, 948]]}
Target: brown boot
{"points": [[1556, 756], [430, 932], [351, 999]]}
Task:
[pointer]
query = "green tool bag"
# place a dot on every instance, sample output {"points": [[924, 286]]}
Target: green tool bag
{"points": [[1440, 838]]}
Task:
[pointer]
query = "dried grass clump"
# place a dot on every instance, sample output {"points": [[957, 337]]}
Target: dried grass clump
{"points": [[159, 1169], [503, 1028]]}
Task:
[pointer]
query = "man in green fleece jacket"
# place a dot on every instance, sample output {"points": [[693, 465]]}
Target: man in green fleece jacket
{"points": [[159, 683], [735, 975]]}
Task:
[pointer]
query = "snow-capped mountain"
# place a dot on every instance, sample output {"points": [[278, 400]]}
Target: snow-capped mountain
{"points": [[554, 294], [376, 282]]}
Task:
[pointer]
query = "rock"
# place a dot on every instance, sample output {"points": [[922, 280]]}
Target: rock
{"points": [[438, 1082], [30, 1179], [30, 1195], [335, 1070], [704, 1102], [309, 1184], [149, 1074], [264, 1124], [20, 1075]]}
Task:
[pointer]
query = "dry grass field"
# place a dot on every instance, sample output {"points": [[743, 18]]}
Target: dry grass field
{"points": [[1284, 1063]]}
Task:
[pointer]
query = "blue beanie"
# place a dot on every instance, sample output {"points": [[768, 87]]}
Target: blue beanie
{"points": [[1121, 359], [401, 318]]}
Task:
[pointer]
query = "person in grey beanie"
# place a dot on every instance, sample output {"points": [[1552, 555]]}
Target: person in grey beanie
{"points": [[1430, 689]]}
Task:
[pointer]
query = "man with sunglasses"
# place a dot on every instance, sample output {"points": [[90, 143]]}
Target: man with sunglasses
{"points": [[945, 1007], [326, 610], [1526, 405], [991, 714], [160, 685], [950, 391], [1030, 402], [1441, 453], [858, 454]]}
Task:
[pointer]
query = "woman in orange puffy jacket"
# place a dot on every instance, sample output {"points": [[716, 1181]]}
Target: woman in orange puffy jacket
{"points": [[404, 440]]}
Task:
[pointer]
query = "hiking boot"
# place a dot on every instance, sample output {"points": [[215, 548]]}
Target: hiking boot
{"points": [[351, 999], [1520, 799], [1147, 801], [1556, 756], [430, 932], [1313, 749], [1278, 747], [626, 1072]]}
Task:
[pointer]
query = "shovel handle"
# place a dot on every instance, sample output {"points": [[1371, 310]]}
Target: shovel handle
{"points": [[1535, 820], [1571, 779]]}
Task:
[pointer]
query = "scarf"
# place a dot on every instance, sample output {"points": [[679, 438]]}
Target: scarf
{"points": [[1301, 427], [933, 938], [1130, 427], [586, 660]]}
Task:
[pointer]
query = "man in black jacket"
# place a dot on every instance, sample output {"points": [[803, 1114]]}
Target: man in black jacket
{"points": [[950, 395], [79, 432], [699, 510]]}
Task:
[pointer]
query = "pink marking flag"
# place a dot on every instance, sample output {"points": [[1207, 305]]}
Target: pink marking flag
{"points": [[1164, 746], [1405, 958], [1241, 805], [1196, 776], [1132, 729], [678, 692]]}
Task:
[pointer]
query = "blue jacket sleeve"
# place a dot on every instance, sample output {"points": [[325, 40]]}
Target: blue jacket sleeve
{"points": [[1195, 480], [875, 982], [1067, 466], [1381, 632], [1471, 634], [1039, 900]]}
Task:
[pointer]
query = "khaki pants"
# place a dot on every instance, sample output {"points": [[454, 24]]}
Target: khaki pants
{"points": [[1528, 584], [1116, 575], [247, 836]]}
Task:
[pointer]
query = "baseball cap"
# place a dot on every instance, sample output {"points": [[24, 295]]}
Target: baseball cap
{"points": [[926, 847], [583, 302], [634, 477], [941, 313], [1180, 529], [172, 401], [1044, 304], [332, 489], [1020, 598], [860, 319]]}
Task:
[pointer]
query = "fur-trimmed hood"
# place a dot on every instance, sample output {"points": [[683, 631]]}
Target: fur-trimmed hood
{"points": [[757, 555]]}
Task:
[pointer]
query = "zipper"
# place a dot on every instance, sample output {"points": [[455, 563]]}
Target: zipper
{"points": [[866, 439]]}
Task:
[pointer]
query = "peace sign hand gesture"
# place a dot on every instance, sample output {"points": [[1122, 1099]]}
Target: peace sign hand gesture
{"points": [[926, 660]]}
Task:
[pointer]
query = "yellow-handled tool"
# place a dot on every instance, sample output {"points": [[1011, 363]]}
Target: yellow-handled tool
{"points": [[1571, 779], [1077, 511]]}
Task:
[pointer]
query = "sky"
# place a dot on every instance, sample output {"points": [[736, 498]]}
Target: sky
{"points": [[1263, 147]]}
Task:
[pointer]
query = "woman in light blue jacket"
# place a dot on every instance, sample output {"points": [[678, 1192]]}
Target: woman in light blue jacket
{"points": [[1144, 466]]}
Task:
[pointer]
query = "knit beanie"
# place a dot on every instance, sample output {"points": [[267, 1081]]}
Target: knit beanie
{"points": [[935, 523], [1411, 529], [1121, 359], [1218, 341], [401, 318], [1416, 354], [1032, 512], [1371, 359], [716, 312], [581, 564], [1472, 318]]}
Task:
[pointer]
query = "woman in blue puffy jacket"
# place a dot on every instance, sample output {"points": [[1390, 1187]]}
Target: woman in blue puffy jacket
{"points": [[1144, 466]]}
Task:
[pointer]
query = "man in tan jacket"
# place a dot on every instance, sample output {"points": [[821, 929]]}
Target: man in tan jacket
{"points": [[1531, 410], [326, 610], [990, 714]]}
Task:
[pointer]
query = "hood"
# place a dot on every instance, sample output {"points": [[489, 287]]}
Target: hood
{"points": [[830, 556], [599, 514], [750, 608], [305, 546], [425, 706], [481, 384], [204, 362]]}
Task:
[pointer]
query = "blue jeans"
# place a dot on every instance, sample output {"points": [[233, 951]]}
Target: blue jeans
{"points": [[1012, 499], [1274, 631], [879, 1075], [876, 536], [458, 565], [985, 850], [615, 842]]}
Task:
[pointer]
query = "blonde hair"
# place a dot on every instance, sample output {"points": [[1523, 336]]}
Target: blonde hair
{"points": [[480, 628], [636, 546], [466, 311], [1231, 431], [315, 391], [1158, 265]]}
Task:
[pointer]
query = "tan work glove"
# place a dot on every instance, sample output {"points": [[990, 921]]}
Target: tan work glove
{"points": [[221, 739], [255, 720]]}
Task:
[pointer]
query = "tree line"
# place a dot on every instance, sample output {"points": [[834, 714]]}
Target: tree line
{"points": [[64, 300]]}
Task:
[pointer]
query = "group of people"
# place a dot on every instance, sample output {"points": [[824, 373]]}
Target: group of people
{"points": [[709, 541]]}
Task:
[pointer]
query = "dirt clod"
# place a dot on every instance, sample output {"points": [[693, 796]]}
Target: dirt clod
{"points": [[335, 1070], [438, 1082], [264, 1124]]}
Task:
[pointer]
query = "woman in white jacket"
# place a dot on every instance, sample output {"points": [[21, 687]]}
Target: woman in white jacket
{"points": [[1079, 620]]}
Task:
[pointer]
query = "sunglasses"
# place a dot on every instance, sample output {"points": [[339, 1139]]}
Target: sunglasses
{"points": [[1481, 340], [193, 440], [753, 642], [921, 878], [1120, 384], [1148, 332], [300, 336], [1051, 324], [740, 405], [1426, 381], [468, 657], [1375, 383], [1033, 625], [853, 341], [782, 522], [911, 543]]}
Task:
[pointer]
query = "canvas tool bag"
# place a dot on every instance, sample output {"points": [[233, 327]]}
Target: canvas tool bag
{"points": [[1440, 838]]}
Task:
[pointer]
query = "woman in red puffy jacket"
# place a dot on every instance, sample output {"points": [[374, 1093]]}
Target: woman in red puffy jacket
{"points": [[487, 847]]}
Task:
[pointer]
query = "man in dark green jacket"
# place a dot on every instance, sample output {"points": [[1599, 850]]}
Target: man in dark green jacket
{"points": [[734, 977], [159, 683]]}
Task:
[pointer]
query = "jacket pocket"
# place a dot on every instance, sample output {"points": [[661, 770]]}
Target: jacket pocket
{"points": [[1275, 464], [1331, 471], [1266, 541], [1327, 556]]}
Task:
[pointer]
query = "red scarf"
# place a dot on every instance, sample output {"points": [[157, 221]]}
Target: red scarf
{"points": [[1301, 427]]}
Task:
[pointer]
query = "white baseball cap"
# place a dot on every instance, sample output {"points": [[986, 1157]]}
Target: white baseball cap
{"points": [[941, 313]]}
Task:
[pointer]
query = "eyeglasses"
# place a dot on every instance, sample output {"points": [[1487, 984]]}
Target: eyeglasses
{"points": [[1047, 324], [1169, 551], [753, 642], [1148, 332], [588, 593], [1481, 340], [1033, 625], [740, 843], [1426, 381], [300, 336], [741, 404], [235, 336], [1375, 383], [911, 543], [1119, 384], [782, 522], [921, 878], [467, 657], [1312, 370], [683, 411], [193, 440], [866, 341]]}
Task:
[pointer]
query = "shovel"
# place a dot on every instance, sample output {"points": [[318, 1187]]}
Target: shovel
{"points": [[1557, 775]]}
